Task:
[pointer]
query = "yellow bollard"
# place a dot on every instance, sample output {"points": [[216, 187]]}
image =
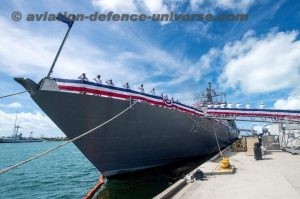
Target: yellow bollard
{"points": [[225, 163]]}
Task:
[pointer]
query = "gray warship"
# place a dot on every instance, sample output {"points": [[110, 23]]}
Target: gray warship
{"points": [[156, 131], [17, 137]]}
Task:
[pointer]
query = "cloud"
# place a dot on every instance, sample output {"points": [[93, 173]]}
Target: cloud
{"points": [[15, 105], [116, 5], [241, 5], [132, 6], [262, 64], [195, 71], [156, 6], [29, 53], [24, 51], [29, 121], [137, 62], [291, 102], [161, 6]]}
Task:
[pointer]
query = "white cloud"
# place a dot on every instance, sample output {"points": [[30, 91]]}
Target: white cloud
{"points": [[24, 51], [31, 54], [144, 61], [116, 5], [15, 105], [132, 6], [161, 6], [242, 5], [156, 6], [29, 121], [239, 5], [195, 71], [292, 102], [258, 65]]}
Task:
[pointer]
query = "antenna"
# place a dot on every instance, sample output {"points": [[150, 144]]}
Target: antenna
{"points": [[17, 128], [15, 125]]}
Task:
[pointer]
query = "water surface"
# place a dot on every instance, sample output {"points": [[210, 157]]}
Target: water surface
{"points": [[66, 173]]}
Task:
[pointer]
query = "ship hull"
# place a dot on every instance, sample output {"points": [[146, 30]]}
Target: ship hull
{"points": [[5, 140], [145, 136]]}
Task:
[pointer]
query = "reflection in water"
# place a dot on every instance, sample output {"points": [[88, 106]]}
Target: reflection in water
{"points": [[148, 183], [142, 186]]}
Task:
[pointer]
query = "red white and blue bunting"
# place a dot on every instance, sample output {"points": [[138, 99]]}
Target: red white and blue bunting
{"points": [[81, 86]]}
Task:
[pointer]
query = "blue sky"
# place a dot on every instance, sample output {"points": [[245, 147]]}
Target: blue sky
{"points": [[254, 61]]}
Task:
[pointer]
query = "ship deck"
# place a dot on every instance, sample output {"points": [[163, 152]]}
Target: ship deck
{"points": [[276, 176]]}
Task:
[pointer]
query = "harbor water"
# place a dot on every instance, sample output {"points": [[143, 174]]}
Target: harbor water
{"points": [[65, 173]]}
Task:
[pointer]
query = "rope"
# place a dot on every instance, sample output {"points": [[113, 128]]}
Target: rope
{"points": [[4, 96], [218, 141], [208, 130], [63, 144]]}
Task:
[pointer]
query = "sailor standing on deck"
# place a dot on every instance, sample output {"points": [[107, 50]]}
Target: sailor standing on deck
{"points": [[110, 82], [152, 91], [126, 85], [83, 77], [141, 88], [97, 79]]}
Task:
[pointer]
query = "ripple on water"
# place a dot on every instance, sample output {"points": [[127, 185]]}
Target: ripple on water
{"points": [[51, 176]]}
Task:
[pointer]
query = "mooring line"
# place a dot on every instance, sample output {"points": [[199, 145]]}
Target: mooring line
{"points": [[204, 127], [218, 141], [9, 95], [215, 134], [63, 144]]}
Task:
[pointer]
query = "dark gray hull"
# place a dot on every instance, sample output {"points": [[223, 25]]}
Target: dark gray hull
{"points": [[145, 136]]}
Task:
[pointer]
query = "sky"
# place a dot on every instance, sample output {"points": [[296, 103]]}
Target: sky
{"points": [[254, 61]]}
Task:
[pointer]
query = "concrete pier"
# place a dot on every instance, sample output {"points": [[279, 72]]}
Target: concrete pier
{"points": [[276, 176]]}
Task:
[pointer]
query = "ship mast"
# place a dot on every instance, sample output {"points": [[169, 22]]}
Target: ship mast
{"points": [[210, 97], [16, 127], [209, 94]]}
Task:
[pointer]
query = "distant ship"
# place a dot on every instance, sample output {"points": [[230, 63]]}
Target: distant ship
{"points": [[156, 131], [16, 137]]}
